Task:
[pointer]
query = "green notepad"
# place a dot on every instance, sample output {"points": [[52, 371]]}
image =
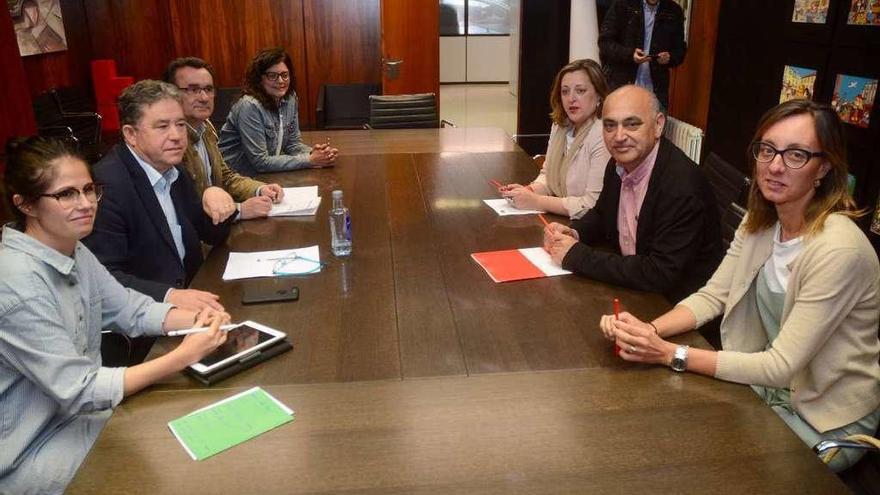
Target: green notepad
{"points": [[229, 422]]}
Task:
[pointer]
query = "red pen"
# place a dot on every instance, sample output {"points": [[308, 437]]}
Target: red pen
{"points": [[616, 317], [544, 220], [496, 184]]}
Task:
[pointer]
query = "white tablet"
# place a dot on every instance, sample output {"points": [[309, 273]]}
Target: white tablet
{"points": [[241, 342]]}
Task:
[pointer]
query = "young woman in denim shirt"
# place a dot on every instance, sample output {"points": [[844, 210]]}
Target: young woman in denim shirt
{"points": [[261, 133], [55, 297]]}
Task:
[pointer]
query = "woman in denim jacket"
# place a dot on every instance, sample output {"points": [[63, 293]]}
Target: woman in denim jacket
{"points": [[261, 133]]}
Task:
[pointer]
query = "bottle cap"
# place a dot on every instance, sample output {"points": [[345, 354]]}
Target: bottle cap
{"points": [[337, 194]]}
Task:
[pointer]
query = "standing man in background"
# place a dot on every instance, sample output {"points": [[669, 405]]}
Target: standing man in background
{"points": [[640, 40]]}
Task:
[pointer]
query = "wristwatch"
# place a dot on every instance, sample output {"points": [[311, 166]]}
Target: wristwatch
{"points": [[680, 358]]}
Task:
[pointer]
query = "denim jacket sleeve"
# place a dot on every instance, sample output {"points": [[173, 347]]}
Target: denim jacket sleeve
{"points": [[259, 131]]}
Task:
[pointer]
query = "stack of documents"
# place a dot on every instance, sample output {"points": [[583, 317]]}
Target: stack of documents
{"points": [[227, 423], [302, 261], [297, 202], [518, 264], [503, 207]]}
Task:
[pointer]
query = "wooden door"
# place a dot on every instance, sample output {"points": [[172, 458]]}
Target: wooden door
{"points": [[410, 46]]}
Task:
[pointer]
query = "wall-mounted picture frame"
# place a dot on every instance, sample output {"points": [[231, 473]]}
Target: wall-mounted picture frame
{"points": [[864, 13], [798, 82], [39, 26], [853, 99], [810, 11]]}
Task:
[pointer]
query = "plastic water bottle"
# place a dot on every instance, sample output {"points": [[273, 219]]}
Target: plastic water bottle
{"points": [[340, 227]]}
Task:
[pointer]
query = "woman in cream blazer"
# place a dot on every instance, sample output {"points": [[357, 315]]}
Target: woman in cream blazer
{"points": [[799, 290]]}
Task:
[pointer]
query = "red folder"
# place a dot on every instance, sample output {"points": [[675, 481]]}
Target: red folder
{"points": [[507, 266]]}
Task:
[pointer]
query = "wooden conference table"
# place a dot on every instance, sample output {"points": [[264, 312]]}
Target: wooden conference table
{"points": [[413, 372]]}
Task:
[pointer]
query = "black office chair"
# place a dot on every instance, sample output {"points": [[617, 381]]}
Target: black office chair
{"points": [[345, 106], [68, 114], [728, 183], [405, 112], [730, 221], [224, 98]]}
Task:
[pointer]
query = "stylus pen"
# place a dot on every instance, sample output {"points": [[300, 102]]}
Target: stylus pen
{"points": [[178, 333]]}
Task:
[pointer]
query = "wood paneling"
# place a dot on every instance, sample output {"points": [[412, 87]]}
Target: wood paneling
{"points": [[69, 67], [135, 34], [338, 42], [349, 55], [16, 117], [228, 33], [411, 32], [690, 84]]}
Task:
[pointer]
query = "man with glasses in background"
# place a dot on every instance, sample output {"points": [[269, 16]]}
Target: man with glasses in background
{"points": [[148, 229], [223, 190]]}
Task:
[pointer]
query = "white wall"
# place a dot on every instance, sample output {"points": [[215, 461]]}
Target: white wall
{"points": [[584, 31], [488, 58], [453, 53], [474, 59], [513, 77]]}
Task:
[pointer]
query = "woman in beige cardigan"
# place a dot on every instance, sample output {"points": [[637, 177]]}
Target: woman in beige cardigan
{"points": [[571, 178], [799, 290]]}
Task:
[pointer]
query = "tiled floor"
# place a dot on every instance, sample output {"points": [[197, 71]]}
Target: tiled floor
{"points": [[479, 105]]}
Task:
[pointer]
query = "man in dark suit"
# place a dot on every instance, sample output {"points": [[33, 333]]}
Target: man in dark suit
{"points": [[150, 223], [656, 209], [639, 41]]}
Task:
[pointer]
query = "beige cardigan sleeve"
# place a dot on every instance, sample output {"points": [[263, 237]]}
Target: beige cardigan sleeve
{"points": [[591, 160]]}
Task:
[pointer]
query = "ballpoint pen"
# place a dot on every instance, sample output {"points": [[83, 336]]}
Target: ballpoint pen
{"points": [[178, 333]]}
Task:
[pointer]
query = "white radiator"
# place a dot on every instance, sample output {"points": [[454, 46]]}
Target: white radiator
{"points": [[687, 137]]}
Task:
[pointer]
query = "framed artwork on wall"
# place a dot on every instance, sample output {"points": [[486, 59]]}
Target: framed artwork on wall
{"points": [[39, 27], [864, 13], [810, 11], [853, 98], [797, 82]]}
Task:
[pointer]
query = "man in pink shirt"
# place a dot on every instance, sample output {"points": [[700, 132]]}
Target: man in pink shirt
{"points": [[656, 212]]}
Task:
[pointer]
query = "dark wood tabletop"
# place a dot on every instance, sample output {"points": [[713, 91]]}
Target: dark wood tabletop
{"points": [[412, 372], [410, 302], [385, 141], [601, 430]]}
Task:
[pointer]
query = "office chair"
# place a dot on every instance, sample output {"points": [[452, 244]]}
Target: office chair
{"points": [[65, 113], [405, 112], [223, 101], [729, 184], [730, 220], [345, 106]]}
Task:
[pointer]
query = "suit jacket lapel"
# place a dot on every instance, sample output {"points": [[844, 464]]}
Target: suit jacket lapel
{"points": [[147, 196]]}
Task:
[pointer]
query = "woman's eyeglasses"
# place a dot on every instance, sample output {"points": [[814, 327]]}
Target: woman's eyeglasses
{"points": [[794, 158], [274, 76], [68, 198]]}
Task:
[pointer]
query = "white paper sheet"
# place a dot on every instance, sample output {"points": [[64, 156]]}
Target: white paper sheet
{"points": [[504, 207], [264, 263], [298, 201], [542, 260]]}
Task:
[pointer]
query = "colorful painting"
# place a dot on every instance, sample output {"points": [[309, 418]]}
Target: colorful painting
{"points": [[875, 223], [810, 11], [797, 82], [38, 26], [854, 99], [864, 13]]}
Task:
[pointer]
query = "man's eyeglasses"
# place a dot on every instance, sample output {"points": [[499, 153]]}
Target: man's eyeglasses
{"points": [[274, 76], [68, 198], [195, 90], [793, 158]]}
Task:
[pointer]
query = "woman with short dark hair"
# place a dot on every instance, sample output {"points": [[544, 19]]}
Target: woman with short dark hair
{"points": [[261, 133], [799, 290]]}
